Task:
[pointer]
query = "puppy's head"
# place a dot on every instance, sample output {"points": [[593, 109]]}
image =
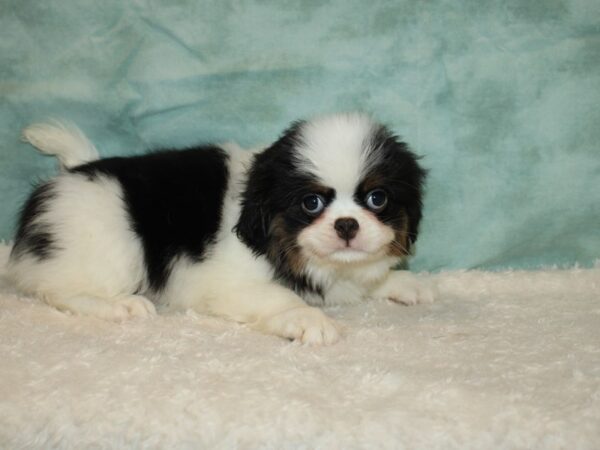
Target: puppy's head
{"points": [[336, 190]]}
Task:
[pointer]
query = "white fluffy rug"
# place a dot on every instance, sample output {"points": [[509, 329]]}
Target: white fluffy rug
{"points": [[501, 360]]}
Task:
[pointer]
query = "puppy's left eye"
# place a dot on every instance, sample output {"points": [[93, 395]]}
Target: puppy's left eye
{"points": [[376, 200]]}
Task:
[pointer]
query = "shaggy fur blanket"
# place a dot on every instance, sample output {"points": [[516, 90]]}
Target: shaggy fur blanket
{"points": [[500, 360]]}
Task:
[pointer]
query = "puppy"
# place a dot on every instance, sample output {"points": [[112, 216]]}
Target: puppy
{"points": [[318, 218]]}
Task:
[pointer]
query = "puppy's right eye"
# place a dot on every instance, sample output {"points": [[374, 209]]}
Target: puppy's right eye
{"points": [[313, 204]]}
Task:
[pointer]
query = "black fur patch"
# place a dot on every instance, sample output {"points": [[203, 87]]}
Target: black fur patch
{"points": [[174, 199], [33, 236], [274, 190], [399, 174]]}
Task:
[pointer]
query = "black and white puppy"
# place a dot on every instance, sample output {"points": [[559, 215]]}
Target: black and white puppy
{"points": [[318, 218]]}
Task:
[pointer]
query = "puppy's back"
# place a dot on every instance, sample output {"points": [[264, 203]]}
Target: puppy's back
{"points": [[115, 224]]}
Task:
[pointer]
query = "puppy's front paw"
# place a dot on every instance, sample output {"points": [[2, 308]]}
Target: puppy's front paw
{"points": [[305, 324], [405, 288]]}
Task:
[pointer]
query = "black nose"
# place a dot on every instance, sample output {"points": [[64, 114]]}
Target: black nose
{"points": [[346, 227]]}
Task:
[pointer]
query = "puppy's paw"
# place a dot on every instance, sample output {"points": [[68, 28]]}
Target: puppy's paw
{"points": [[134, 306], [405, 288], [305, 324], [115, 309]]}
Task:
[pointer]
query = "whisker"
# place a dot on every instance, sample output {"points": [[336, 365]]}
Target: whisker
{"points": [[284, 252], [399, 246]]}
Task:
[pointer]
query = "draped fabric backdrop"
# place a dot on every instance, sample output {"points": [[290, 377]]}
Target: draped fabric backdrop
{"points": [[501, 99]]}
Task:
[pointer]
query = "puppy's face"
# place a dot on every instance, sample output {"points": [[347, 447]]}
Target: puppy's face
{"points": [[337, 190]]}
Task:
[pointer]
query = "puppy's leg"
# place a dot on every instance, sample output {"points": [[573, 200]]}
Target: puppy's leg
{"points": [[273, 309], [264, 305], [119, 308], [304, 323], [89, 261], [404, 287]]}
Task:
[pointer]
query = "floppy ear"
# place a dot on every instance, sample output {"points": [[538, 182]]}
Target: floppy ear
{"points": [[255, 217], [405, 166], [415, 176], [414, 218], [258, 203]]}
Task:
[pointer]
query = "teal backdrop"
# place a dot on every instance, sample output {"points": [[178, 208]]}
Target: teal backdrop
{"points": [[502, 99]]}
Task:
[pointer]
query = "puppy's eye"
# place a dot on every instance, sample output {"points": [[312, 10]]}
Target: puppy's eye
{"points": [[313, 204], [376, 200]]}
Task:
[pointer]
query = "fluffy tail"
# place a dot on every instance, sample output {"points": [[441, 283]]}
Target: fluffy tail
{"points": [[63, 140]]}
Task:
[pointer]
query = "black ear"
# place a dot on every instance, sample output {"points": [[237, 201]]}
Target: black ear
{"points": [[256, 214], [260, 199], [401, 165], [414, 177], [414, 219]]}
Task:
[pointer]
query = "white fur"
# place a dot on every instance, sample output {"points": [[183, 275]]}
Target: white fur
{"points": [[63, 140], [403, 287], [334, 148], [321, 240], [102, 264], [89, 217]]}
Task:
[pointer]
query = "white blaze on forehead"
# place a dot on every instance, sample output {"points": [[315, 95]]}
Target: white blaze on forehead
{"points": [[334, 148], [343, 206]]}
